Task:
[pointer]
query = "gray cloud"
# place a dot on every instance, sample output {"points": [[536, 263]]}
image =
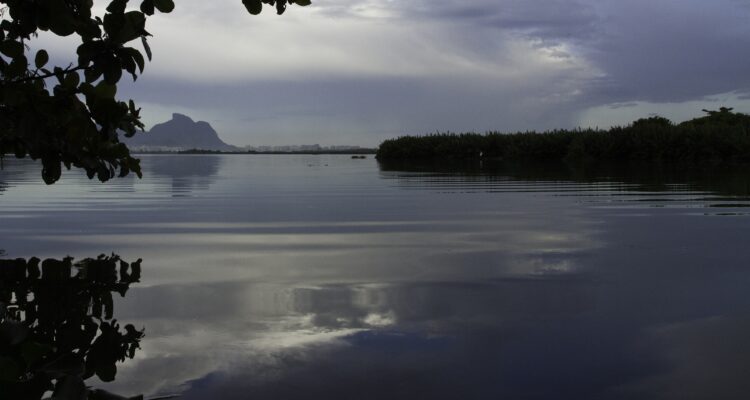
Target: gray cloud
{"points": [[548, 19], [672, 51], [360, 111], [345, 71]]}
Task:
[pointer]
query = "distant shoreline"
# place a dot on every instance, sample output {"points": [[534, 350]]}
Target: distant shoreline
{"points": [[324, 152], [720, 136]]}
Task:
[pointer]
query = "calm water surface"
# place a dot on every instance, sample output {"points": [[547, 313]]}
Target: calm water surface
{"points": [[311, 277]]}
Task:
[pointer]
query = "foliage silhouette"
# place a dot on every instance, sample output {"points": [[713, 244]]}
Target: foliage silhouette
{"points": [[722, 135], [53, 113], [57, 326]]}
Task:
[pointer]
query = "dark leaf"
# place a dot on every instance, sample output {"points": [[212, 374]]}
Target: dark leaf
{"points": [[107, 372], [92, 74], [62, 21], [164, 6], [41, 58], [254, 7], [146, 47], [113, 74], [147, 7], [134, 25], [51, 170], [136, 57], [72, 79], [17, 67], [11, 48], [280, 6], [117, 6]]}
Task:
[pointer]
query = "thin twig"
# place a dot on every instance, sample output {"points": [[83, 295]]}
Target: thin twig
{"points": [[45, 76]]}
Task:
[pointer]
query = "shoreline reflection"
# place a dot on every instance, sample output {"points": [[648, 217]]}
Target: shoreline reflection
{"points": [[719, 180]]}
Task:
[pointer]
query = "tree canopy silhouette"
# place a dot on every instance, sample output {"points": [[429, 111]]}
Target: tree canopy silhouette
{"points": [[720, 136], [70, 115]]}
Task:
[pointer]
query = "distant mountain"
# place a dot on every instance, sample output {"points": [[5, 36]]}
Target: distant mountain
{"points": [[179, 133]]}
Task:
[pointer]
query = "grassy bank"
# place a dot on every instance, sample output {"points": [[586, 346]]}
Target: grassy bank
{"points": [[720, 135]]}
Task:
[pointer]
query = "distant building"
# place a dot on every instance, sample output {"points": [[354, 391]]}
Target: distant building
{"points": [[343, 148], [311, 148]]}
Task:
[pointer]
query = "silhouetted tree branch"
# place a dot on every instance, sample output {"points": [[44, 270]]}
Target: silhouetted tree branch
{"points": [[74, 120]]}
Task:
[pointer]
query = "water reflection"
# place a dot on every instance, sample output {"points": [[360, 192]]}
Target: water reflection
{"points": [[291, 280], [720, 183], [10, 173], [578, 336], [186, 173], [57, 326], [174, 175], [346, 341]]}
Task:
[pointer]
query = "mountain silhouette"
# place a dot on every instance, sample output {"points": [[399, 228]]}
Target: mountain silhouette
{"points": [[179, 133]]}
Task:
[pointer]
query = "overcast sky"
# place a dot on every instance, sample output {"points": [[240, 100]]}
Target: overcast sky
{"points": [[360, 71]]}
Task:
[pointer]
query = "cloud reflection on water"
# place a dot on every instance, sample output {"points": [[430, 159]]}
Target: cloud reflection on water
{"points": [[292, 281], [252, 329], [513, 246]]}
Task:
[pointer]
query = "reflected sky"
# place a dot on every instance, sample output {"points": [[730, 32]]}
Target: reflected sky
{"points": [[327, 277]]}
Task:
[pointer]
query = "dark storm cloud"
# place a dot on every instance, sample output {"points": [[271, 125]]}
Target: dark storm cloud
{"points": [[547, 19], [665, 51], [671, 51]]}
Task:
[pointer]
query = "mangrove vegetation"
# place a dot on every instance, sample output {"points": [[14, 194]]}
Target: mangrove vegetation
{"points": [[720, 135]]}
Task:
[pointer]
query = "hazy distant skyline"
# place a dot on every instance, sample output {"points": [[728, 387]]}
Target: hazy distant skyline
{"points": [[357, 72]]}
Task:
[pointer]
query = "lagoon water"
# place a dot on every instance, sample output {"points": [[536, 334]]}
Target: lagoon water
{"points": [[313, 277]]}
